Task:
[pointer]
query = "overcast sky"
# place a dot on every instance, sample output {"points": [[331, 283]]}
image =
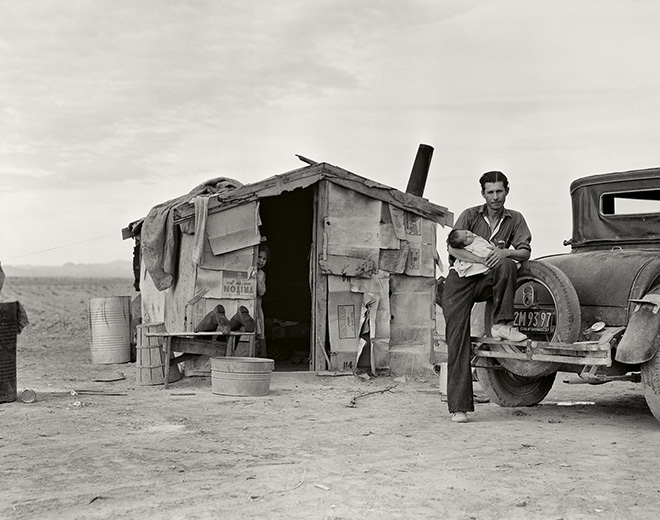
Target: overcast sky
{"points": [[108, 108]]}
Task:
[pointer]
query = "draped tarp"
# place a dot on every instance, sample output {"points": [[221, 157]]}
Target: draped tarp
{"points": [[159, 238]]}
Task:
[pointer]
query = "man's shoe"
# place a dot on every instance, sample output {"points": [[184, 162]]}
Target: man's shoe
{"points": [[507, 332], [459, 417]]}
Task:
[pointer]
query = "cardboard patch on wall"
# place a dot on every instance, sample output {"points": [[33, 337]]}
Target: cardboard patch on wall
{"points": [[422, 252], [394, 260], [239, 260], [343, 322], [413, 227], [388, 237], [352, 225], [347, 266], [347, 304], [412, 310], [375, 293], [233, 228]]}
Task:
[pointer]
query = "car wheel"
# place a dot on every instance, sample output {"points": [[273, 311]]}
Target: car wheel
{"points": [[651, 384], [651, 375], [545, 290], [508, 389]]}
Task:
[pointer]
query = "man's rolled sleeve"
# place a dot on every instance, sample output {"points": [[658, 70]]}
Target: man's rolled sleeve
{"points": [[522, 237]]}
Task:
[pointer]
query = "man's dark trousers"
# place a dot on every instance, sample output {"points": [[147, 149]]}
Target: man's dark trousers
{"points": [[459, 295]]}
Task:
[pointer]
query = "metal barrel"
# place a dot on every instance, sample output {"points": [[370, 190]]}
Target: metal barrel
{"points": [[8, 332], [110, 329]]}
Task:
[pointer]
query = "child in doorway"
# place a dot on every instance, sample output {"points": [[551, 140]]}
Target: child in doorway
{"points": [[262, 259], [478, 246]]}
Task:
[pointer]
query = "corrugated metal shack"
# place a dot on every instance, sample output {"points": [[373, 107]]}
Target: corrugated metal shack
{"points": [[350, 281]]}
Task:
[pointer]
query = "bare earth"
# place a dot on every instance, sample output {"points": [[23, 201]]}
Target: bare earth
{"points": [[314, 448]]}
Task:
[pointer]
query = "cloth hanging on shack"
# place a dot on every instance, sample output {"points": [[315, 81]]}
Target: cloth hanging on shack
{"points": [[201, 212], [160, 239]]}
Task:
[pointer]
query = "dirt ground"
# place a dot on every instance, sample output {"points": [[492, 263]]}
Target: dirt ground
{"points": [[316, 447]]}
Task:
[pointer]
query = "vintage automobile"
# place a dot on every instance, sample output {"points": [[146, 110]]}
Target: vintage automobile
{"points": [[593, 311]]}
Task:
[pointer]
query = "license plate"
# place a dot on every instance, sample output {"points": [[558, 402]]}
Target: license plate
{"points": [[534, 320]]}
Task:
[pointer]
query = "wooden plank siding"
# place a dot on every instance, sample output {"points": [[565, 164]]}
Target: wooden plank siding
{"points": [[319, 281], [177, 296]]}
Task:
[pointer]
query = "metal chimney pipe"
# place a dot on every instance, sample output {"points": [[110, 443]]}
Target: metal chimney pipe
{"points": [[420, 170]]}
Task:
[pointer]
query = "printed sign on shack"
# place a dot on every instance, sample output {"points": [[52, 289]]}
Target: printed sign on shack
{"points": [[237, 284], [346, 321]]}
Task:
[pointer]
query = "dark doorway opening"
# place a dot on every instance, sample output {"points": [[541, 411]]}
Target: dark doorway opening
{"points": [[286, 223]]}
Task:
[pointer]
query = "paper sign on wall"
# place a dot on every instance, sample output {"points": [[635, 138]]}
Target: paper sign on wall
{"points": [[346, 317], [237, 284]]}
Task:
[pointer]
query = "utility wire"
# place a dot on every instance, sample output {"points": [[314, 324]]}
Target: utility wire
{"points": [[60, 247]]}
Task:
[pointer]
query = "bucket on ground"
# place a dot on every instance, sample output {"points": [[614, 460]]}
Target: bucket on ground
{"points": [[110, 329], [8, 333], [241, 376], [150, 358]]}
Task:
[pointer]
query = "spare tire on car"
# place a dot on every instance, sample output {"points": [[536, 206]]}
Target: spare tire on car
{"points": [[547, 309]]}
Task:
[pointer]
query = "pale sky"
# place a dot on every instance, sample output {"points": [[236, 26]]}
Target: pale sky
{"points": [[108, 108]]}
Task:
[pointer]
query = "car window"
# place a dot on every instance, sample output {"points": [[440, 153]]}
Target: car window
{"points": [[630, 203]]}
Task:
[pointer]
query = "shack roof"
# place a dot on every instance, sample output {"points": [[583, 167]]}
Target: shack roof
{"points": [[309, 175]]}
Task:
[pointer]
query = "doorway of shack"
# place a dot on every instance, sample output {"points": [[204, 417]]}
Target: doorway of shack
{"points": [[287, 224]]}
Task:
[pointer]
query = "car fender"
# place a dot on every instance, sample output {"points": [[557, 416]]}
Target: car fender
{"points": [[639, 341]]}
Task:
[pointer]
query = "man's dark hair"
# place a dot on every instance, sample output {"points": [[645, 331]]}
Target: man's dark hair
{"points": [[453, 241], [493, 176]]}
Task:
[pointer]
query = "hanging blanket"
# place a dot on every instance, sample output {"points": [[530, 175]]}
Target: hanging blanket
{"points": [[159, 238]]}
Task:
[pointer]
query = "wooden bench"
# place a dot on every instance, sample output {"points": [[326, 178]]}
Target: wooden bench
{"points": [[192, 344]]}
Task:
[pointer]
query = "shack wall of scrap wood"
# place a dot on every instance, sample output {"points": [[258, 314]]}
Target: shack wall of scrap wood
{"points": [[380, 258], [369, 262]]}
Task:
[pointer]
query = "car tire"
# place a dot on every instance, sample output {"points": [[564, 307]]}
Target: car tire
{"points": [[651, 376], [567, 312], [651, 384], [507, 389]]}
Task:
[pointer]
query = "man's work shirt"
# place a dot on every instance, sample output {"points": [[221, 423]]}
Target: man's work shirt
{"points": [[511, 230]]}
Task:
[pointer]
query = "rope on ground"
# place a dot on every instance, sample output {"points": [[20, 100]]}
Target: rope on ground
{"points": [[353, 401]]}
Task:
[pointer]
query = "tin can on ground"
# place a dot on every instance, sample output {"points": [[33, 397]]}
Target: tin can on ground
{"points": [[27, 395]]}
